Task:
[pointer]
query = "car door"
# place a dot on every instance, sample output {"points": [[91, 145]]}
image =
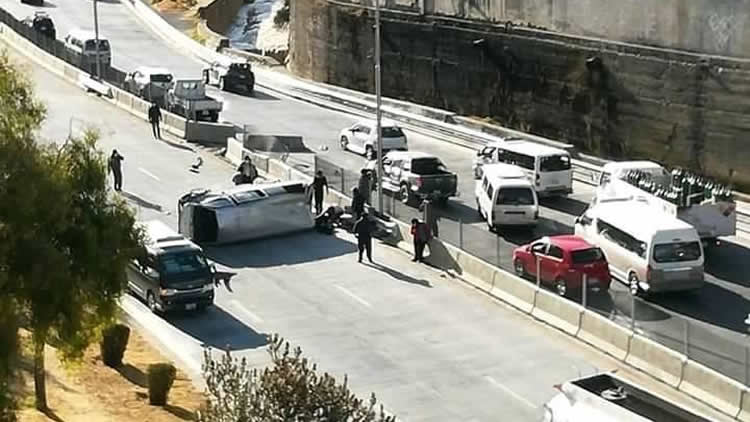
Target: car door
{"points": [[553, 262], [353, 138], [480, 195], [362, 136], [538, 253]]}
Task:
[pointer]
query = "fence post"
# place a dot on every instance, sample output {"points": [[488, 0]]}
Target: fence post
{"points": [[341, 171], [687, 338], [747, 365], [633, 292], [585, 287], [497, 250], [538, 272], [460, 234]]}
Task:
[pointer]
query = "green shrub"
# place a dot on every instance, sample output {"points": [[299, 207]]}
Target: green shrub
{"points": [[160, 379], [114, 342]]}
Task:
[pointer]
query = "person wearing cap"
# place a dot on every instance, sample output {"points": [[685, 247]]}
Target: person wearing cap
{"points": [[363, 229]]}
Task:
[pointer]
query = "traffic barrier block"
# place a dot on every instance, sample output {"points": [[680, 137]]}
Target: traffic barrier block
{"points": [[712, 388], [514, 290], [744, 414], [481, 271], [656, 360], [557, 312], [605, 334], [208, 132], [234, 151]]}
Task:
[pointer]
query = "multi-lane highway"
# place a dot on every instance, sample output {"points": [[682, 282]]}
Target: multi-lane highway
{"points": [[431, 348], [716, 314]]}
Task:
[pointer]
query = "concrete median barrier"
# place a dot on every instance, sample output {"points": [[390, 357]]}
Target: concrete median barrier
{"points": [[712, 388], [656, 360], [557, 312], [514, 290], [604, 334], [209, 133], [481, 273], [744, 414]]}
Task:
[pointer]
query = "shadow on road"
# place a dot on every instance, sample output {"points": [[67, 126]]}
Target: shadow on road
{"points": [[712, 304], [133, 375], [285, 250], [131, 197], [569, 206], [218, 329], [398, 275], [729, 262]]}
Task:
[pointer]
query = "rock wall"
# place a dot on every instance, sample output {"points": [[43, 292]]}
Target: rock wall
{"points": [[610, 99], [220, 14]]}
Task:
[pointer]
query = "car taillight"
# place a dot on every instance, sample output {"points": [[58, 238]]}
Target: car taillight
{"points": [[418, 182]]}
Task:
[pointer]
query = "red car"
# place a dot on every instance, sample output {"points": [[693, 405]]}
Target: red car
{"points": [[563, 261]]}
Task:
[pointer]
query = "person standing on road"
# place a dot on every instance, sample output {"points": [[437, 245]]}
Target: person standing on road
{"points": [[115, 166], [154, 116], [363, 229], [429, 215], [421, 234], [365, 185], [320, 188], [358, 204]]}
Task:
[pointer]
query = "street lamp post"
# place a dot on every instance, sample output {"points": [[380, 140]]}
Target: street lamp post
{"points": [[96, 40], [377, 107]]}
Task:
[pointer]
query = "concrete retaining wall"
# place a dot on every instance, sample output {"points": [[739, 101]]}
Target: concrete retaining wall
{"points": [[709, 386], [557, 312], [605, 335], [657, 360], [515, 291]]}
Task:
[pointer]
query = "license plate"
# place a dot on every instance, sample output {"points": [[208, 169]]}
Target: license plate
{"points": [[190, 306], [592, 281]]}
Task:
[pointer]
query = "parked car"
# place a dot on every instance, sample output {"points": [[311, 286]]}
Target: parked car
{"points": [[414, 175], [230, 75], [149, 83], [362, 138], [42, 22], [563, 260]]}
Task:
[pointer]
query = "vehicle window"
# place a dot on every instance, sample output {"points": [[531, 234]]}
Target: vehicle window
{"points": [[515, 196], [555, 252], [677, 252], [391, 132], [364, 129], [487, 152], [604, 179], [239, 67], [427, 166], [554, 163], [396, 164], [512, 157], [485, 182], [183, 263], [622, 239], [387, 161], [539, 248], [584, 220], [91, 46], [587, 256], [161, 78], [407, 165], [247, 196]]}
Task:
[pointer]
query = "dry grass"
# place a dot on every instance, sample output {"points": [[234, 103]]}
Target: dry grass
{"points": [[89, 391]]}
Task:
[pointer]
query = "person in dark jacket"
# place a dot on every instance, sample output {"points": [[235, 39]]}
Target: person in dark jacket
{"points": [[320, 186], [358, 204], [420, 231], [363, 229], [247, 170], [115, 166], [365, 185], [154, 116]]}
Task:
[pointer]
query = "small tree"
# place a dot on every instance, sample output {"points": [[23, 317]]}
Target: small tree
{"points": [[290, 390]]}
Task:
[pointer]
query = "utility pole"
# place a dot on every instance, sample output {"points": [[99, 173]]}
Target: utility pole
{"points": [[96, 37], [377, 107]]}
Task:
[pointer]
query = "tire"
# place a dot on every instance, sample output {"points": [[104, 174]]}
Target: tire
{"points": [[633, 282], [561, 287], [519, 269], [344, 143], [404, 194], [151, 302], [369, 153]]}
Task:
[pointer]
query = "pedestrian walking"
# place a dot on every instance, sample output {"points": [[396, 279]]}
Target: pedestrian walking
{"points": [[429, 215], [320, 188], [358, 204], [420, 232], [115, 166], [365, 185], [363, 229], [154, 116]]}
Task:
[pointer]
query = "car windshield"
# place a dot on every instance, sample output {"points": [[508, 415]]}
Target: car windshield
{"points": [[427, 166], [554, 163], [177, 266], [103, 45], [239, 67], [677, 252], [161, 78], [391, 132], [515, 196], [587, 256]]}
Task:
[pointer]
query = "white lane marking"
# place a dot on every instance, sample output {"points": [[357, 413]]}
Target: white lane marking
{"points": [[346, 291], [247, 312], [149, 174], [512, 393]]}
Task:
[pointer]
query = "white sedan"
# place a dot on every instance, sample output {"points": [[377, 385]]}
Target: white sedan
{"points": [[362, 138]]}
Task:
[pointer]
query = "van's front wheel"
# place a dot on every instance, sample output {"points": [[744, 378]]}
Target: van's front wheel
{"points": [[633, 283]]}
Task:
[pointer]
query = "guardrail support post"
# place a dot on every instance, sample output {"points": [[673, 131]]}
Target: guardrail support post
{"points": [[687, 338], [632, 312], [497, 250], [460, 234], [585, 287], [747, 365], [341, 171], [538, 272]]}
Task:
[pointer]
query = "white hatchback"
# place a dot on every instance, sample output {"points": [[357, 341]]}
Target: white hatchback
{"points": [[362, 138]]}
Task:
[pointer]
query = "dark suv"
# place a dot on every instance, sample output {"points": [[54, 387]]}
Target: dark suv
{"points": [[42, 23], [172, 273]]}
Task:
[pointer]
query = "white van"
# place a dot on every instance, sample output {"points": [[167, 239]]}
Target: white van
{"points": [[645, 248], [549, 168], [83, 43], [505, 196]]}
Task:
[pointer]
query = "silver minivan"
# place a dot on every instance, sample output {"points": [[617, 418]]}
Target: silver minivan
{"points": [[506, 197]]}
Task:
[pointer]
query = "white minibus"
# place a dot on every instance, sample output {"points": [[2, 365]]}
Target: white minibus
{"points": [[649, 250], [83, 44], [505, 196], [549, 168]]}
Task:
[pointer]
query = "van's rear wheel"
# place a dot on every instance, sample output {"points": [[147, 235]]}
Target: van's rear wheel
{"points": [[404, 194]]}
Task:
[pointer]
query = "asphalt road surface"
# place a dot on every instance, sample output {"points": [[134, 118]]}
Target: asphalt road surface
{"points": [[431, 348], [715, 315]]}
